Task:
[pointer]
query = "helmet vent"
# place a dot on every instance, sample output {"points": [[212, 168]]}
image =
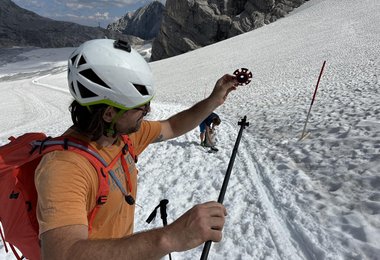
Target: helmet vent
{"points": [[85, 92], [142, 89], [82, 61], [91, 75], [73, 59]]}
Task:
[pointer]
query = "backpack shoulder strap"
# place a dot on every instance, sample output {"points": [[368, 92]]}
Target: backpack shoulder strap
{"points": [[83, 148], [128, 143], [101, 166]]}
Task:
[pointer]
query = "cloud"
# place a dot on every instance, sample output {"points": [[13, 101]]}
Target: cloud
{"points": [[78, 6], [97, 16], [75, 16], [100, 16]]}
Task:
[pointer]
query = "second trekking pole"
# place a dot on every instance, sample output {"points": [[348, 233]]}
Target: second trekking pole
{"points": [[243, 123]]}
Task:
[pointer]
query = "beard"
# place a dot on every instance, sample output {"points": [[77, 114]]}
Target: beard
{"points": [[130, 129]]}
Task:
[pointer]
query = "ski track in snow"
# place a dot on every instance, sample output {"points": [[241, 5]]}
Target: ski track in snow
{"points": [[255, 207], [270, 215], [36, 107]]}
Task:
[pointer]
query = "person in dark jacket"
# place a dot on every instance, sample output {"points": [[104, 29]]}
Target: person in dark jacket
{"points": [[207, 129]]}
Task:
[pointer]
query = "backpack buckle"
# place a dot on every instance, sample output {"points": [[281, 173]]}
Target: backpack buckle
{"points": [[101, 200], [14, 195]]}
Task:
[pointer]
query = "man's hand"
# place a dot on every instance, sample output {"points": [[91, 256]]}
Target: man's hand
{"points": [[223, 87], [186, 120], [202, 223]]}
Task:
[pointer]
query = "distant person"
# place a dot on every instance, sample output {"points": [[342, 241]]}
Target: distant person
{"points": [[113, 86], [207, 129]]}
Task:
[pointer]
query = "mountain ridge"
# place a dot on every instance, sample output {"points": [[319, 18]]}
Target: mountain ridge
{"points": [[21, 27], [144, 22], [192, 24]]}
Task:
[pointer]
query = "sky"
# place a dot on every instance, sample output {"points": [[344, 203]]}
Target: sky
{"points": [[316, 198], [85, 12]]}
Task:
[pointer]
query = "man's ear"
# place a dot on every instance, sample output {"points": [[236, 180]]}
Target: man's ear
{"points": [[109, 114]]}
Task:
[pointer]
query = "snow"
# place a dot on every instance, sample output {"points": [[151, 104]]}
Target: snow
{"points": [[318, 198]]}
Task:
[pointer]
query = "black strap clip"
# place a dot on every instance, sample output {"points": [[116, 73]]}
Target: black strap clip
{"points": [[163, 213], [101, 200], [14, 195]]}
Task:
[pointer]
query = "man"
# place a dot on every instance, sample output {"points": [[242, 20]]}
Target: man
{"points": [[112, 86], [207, 128]]}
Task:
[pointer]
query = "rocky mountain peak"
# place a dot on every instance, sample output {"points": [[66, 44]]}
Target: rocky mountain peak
{"points": [[144, 22]]}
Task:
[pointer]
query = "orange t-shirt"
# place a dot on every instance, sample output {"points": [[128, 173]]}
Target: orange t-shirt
{"points": [[67, 185]]}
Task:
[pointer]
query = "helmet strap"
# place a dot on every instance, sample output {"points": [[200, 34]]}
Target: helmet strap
{"points": [[111, 131]]}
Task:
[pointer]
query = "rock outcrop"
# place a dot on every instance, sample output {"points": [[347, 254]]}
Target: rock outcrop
{"points": [[144, 22], [191, 24]]}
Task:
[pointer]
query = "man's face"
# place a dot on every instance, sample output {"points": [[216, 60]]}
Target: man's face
{"points": [[131, 120]]}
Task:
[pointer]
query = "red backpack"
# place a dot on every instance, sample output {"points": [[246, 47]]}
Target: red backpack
{"points": [[18, 195]]}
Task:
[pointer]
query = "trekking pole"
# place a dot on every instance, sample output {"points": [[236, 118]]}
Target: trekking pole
{"points": [[243, 123], [163, 213]]}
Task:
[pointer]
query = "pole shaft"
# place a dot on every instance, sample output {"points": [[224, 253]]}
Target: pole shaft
{"points": [[243, 123], [231, 164]]}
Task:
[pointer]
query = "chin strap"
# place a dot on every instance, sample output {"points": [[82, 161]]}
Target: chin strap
{"points": [[111, 131]]}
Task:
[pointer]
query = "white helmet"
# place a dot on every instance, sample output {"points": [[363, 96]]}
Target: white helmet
{"points": [[106, 71]]}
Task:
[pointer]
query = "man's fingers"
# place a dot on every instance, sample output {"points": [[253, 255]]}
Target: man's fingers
{"points": [[216, 208], [217, 212], [217, 223], [216, 235], [214, 229], [227, 78], [201, 223]]}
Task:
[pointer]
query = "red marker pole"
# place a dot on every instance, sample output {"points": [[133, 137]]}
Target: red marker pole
{"points": [[312, 101]]}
